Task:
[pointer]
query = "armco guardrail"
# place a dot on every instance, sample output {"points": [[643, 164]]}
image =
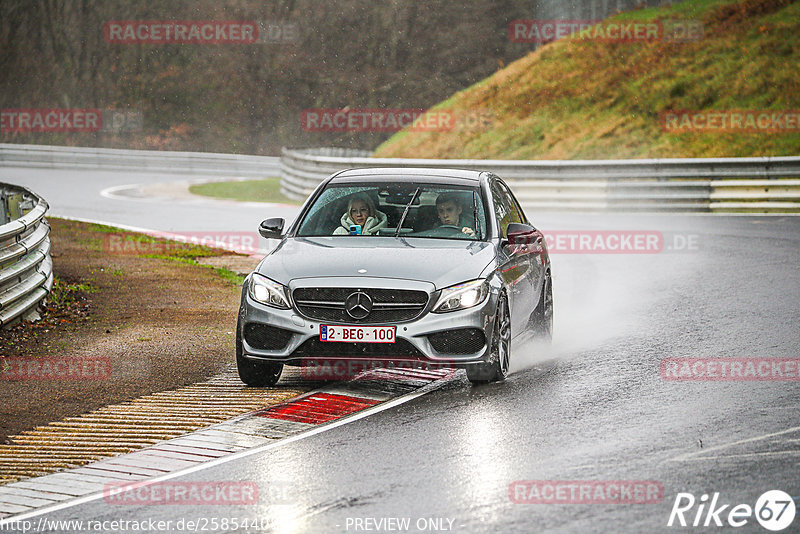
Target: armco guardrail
{"points": [[151, 161], [699, 184], [26, 270]]}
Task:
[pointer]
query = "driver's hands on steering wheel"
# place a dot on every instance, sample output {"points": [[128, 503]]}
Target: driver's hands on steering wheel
{"points": [[464, 230]]}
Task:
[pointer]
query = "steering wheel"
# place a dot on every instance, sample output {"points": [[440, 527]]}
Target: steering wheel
{"points": [[446, 230]]}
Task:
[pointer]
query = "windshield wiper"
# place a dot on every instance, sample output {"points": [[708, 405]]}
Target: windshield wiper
{"points": [[405, 212], [475, 213]]}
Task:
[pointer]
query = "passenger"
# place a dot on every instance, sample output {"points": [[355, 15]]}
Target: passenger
{"points": [[449, 209], [361, 210]]}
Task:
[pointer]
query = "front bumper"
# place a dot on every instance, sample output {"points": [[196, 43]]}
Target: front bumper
{"points": [[301, 335]]}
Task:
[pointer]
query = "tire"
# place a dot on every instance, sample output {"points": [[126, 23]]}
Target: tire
{"points": [[542, 317], [500, 355], [256, 373]]}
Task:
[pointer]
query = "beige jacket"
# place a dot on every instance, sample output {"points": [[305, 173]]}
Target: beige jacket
{"points": [[370, 227]]}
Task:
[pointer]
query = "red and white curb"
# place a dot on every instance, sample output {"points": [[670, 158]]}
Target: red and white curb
{"points": [[309, 414]]}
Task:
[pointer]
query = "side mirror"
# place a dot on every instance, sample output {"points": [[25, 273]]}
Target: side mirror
{"points": [[271, 228], [521, 234]]}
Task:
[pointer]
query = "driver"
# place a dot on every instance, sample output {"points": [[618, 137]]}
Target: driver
{"points": [[449, 210], [361, 210]]}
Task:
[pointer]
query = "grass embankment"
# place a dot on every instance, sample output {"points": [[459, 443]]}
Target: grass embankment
{"points": [[245, 191], [149, 306], [145, 246], [588, 99]]}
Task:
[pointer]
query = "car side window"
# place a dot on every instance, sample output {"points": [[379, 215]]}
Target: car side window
{"points": [[516, 209], [504, 207]]}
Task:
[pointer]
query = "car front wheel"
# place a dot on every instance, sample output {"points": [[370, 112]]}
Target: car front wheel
{"points": [[500, 355], [256, 373]]}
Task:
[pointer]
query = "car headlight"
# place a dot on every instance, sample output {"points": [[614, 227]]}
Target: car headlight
{"points": [[265, 291], [462, 296]]}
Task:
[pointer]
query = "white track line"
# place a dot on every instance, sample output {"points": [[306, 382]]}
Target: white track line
{"points": [[689, 455], [112, 224], [238, 455], [742, 455]]}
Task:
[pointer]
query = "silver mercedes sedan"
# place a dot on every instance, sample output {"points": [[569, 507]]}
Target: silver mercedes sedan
{"points": [[422, 267]]}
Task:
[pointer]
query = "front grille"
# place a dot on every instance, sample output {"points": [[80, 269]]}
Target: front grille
{"points": [[388, 305], [266, 337], [314, 348], [463, 341]]}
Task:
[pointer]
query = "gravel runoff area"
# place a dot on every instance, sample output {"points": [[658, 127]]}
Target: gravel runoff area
{"points": [[140, 318]]}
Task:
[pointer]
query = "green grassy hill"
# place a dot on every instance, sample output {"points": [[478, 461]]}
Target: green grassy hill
{"points": [[587, 99]]}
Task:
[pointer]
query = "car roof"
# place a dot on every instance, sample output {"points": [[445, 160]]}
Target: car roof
{"points": [[410, 174]]}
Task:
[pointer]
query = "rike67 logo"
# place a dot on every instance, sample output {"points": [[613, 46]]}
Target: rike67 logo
{"points": [[774, 510]]}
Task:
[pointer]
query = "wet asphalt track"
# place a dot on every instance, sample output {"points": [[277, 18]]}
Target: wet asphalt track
{"points": [[590, 407]]}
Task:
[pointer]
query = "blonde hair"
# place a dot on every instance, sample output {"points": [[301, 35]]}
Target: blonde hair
{"points": [[366, 200]]}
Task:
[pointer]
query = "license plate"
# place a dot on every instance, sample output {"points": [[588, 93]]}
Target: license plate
{"points": [[358, 334]]}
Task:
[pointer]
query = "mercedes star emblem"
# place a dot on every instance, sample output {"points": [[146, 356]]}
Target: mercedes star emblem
{"points": [[358, 305]]}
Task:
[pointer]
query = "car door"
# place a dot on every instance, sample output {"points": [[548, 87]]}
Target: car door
{"points": [[514, 260], [536, 251]]}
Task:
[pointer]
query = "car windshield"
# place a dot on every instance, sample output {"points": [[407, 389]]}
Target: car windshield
{"points": [[423, 210]]}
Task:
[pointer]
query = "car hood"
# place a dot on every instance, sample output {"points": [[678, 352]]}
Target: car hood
{"points": [[442, 262]]}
